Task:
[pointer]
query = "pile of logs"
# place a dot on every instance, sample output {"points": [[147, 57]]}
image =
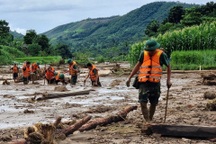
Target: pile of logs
{"points": [[50, 133]]}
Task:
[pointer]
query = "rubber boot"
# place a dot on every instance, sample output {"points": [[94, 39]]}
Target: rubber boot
{"points": [[152, 111], [145, 112]]}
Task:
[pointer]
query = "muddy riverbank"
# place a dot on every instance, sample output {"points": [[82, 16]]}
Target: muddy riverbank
{"points": [[186, 106]]}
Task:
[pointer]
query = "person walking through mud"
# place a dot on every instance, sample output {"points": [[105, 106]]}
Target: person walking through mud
{"points": [[73, 71], [149, 68], [93, 74], [15, 70]]}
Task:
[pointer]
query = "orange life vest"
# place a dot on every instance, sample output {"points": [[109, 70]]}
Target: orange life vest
{"points": [[27, 71], [150, 69], [71, 70], [91, 73], [34, 67], [15, 69], [50, 73]]}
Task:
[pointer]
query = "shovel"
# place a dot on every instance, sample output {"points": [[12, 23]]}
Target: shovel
{"points": [[167, 97]]}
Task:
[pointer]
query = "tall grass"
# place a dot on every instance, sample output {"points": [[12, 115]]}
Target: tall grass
{"points": [[192, 60], [202, 37]]}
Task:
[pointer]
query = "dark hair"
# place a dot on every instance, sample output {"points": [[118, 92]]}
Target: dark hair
{"points": [[89, 65], [28, 62]]}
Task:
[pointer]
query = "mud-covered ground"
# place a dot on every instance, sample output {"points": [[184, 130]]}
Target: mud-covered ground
{"points": [[186, 106]]}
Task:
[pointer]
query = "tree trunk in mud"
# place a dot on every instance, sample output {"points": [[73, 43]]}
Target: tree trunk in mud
{"points": [[196, 132], [120, 116], [76, 126], [60, 95]]}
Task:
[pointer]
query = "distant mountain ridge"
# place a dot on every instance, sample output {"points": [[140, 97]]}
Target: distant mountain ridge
{"points": [[118, 31], [16, 34]]}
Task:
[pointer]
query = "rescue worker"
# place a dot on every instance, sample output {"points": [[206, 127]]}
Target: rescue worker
{"points": [[26, 72], [73, 71], [49, 75], [35, 67], [15, 70], [149, 67], [35, 71], [93, 74], [59, 77]]}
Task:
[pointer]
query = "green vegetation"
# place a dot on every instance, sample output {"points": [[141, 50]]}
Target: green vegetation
{"points": [[192, 60], [182, 33], [200, 37], [42, 60], [8, 54], [102, 34]]}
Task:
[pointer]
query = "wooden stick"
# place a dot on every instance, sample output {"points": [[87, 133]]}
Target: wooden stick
{"points": [[167, 98]]}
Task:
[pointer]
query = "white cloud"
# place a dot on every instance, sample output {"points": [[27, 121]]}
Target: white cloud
{"points": [[43, 15]]}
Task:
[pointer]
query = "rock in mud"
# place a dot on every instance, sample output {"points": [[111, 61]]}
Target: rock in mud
{"points": [[28, 111], [211, 105], [60, 88], [210, 95], [115, 82]]}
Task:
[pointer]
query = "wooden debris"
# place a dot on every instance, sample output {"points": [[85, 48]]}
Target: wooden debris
{"points": [[211, 105], [209, 95], [186, 131], [76, 126], [60, 95], [120, 116]]}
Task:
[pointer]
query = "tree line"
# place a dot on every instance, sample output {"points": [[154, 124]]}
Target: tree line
{"points": [[32, 44]]}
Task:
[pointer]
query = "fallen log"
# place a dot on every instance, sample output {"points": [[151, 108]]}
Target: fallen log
{"points": [[120, 116], [186, 131], [76, 126], [60, 95]]}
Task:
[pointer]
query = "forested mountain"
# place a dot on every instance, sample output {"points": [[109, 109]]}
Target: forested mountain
{"points": [[16, 34], [114, 33]]}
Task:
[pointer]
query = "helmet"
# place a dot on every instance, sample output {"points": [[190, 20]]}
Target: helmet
{"points": [[61, 76], [69, 61], [55, 73], [38, 63]]}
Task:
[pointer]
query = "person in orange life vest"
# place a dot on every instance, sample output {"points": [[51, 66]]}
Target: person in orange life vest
{"points": [[93, 74], [26, 72], [59, 77], [73, 70], [150, 70], [49, 75], [35, 67], [15, 70]]}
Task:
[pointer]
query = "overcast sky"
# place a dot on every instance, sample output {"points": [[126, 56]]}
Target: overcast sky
{"points": [[43, 15]]}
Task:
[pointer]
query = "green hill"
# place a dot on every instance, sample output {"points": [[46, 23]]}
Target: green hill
{"points": [[101, 34], [16, 35]]}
